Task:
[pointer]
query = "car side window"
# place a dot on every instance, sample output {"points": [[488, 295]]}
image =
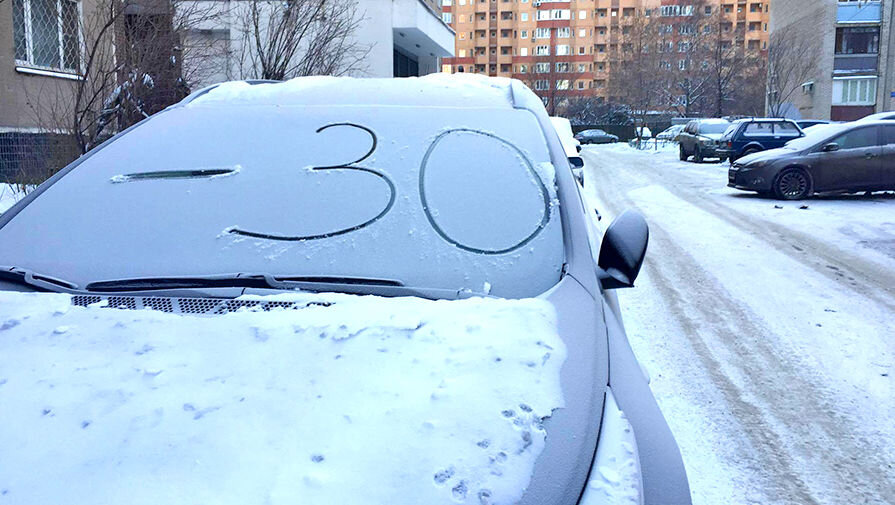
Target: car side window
{"points": [[758, 130], [889, 135], [858, 138], [786, 129]]}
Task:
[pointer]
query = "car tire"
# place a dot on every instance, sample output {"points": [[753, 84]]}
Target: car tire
{"points": [[697, 155], [792, 184], [682, 152]]}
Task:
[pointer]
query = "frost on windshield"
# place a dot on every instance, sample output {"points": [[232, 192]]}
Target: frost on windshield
{"points": [[354, 399]]}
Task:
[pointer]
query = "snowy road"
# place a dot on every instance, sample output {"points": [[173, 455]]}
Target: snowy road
{"points": [[769, 332]]}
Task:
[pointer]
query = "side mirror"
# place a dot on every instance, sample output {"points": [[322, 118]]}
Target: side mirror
{"points": [[831, 147], [576, 161], [622, 251]]}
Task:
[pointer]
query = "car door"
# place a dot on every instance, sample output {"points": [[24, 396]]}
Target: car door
{"points": [[854, 165], [687, 136], [887, 165]]}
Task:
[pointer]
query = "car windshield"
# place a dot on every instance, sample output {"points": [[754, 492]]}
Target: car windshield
{"points": [[465, 199], [713, 128], [728, 133]]}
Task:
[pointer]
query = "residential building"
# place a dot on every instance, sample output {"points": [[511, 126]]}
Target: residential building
{"points": [[577, 38], [854, 47], [42, 61]]}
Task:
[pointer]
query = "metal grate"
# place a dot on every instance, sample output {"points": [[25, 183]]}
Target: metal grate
{"points": [[207, 306], [47, 33]]}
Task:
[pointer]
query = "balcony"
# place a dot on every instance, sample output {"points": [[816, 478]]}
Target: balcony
{"points": [[855, 63], [859, 12]]}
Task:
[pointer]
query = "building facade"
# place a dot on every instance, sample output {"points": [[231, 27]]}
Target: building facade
{"points": [[577, 38], [853, 44]]}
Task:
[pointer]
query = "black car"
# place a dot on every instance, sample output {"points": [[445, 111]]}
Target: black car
{"points": [[596, 137], [748, 136], [807, 123], [701, 139], [851, 157]]}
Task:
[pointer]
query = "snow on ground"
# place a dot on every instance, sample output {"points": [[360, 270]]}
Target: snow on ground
{"points": [[9, 195], [767, 329], [397, 401]]}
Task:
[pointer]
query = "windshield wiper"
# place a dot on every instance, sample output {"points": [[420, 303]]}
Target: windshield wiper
{"points": [[241, 280], [37, 281]]}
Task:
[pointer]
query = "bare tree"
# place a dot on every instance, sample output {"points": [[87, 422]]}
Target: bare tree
{"points": [[285, 39], [637, 73], [553, 78], [791, 62], [588, 110], [689, 46], [129, 67]]}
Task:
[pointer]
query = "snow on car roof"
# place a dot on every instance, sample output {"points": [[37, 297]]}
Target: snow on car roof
{"points": [[349, 399], [447, 90]]}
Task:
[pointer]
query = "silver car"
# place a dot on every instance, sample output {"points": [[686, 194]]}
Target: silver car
{"points": [[435, 188]]}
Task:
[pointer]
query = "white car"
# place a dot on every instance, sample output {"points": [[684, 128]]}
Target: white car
{"points": [[570, 145], [326, 291]]}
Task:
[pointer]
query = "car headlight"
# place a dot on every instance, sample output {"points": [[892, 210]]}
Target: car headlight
{"points": [[755, 164], [615, 477], [706, 142]]}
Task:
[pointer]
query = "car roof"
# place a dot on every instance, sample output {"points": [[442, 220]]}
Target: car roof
{"points": [[460, 91], [886, 116]]}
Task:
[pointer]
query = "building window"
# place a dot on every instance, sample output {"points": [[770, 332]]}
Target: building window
{"points": [[562, 84], [863, 40], [47, 34], [542, 33], [542, 51], [563, 50], [854, 91], [542, 84], [564, 33], [447, 17]]}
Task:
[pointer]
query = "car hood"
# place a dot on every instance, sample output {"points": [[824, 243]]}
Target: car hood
{"points": [[331, 397], [764, 155]]}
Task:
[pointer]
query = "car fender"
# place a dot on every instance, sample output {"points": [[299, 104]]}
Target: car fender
{"points": [[753, 145], [662, 467]]}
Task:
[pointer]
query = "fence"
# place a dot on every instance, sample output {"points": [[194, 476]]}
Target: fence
{"points": [[30, 158], [624, 132]]}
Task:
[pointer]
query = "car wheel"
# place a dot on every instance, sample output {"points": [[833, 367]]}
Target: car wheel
{"points": [[697, 155], [792, 184], [682, 152]]}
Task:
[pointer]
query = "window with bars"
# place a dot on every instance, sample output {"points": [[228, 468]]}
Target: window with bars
{"points": [[47, 34]]}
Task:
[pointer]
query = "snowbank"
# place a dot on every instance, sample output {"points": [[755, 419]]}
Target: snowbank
{"points": [[364, 400], [9, 196]]}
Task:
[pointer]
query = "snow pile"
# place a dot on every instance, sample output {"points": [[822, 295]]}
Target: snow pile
{"points": [[9, 195], [351, 399], [458, 90]]}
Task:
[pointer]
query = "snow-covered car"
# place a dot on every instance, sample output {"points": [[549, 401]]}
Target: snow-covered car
{"points": [[880, 116], [320, 291], [596, 136], [570, 145], [670, 134]]}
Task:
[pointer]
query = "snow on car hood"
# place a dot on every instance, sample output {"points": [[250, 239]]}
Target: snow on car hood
{"points": [[713, 136], [366, 400]]}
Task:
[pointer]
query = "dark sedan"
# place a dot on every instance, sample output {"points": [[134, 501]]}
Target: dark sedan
{"points": [[596, 137], [850, 157]]}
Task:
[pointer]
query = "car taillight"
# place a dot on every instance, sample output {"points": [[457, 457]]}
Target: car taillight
{"points": [[729, 144]]}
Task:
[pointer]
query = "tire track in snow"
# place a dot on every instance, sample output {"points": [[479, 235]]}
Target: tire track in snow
{"points": [[821, 464]]}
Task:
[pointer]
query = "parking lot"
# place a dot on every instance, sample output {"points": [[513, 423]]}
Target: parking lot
{"points": [[766, 327]]}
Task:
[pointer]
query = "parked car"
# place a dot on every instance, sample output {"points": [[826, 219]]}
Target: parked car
{"points": [[881, 116], [849, 157], [329, 191], [808, 123], [670, 134], [701, 139], [596, 137], [570, 145], [748, 136]]}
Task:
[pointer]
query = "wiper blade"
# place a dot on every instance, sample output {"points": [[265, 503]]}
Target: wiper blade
{"points": [[259, 281], [37, 281], [162, 283]]}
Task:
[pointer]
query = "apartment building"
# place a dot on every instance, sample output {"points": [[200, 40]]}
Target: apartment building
{"points": [[534, 40], [853, 44]]}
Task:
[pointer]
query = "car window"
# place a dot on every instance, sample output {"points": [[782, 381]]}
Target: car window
{"points": [[857, 138], [465, 199], [889, 135], [786, 129], [757, 129], [713, 127]]}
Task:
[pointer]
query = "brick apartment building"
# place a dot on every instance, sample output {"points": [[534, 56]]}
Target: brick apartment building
{"points": [[514, 38]]}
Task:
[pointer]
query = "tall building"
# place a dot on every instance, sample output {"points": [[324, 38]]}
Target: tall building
{"points": [[853, 44], [577, 39]]}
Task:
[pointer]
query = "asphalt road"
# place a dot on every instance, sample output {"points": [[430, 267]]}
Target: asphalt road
{"points": [[768, 330]]}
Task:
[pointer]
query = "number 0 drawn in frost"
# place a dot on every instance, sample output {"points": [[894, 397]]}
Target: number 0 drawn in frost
{"points": [[345, 166], [545, 195]]}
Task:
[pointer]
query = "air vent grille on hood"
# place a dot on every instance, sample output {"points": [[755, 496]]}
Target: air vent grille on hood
{"points": [[206, 306]]}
